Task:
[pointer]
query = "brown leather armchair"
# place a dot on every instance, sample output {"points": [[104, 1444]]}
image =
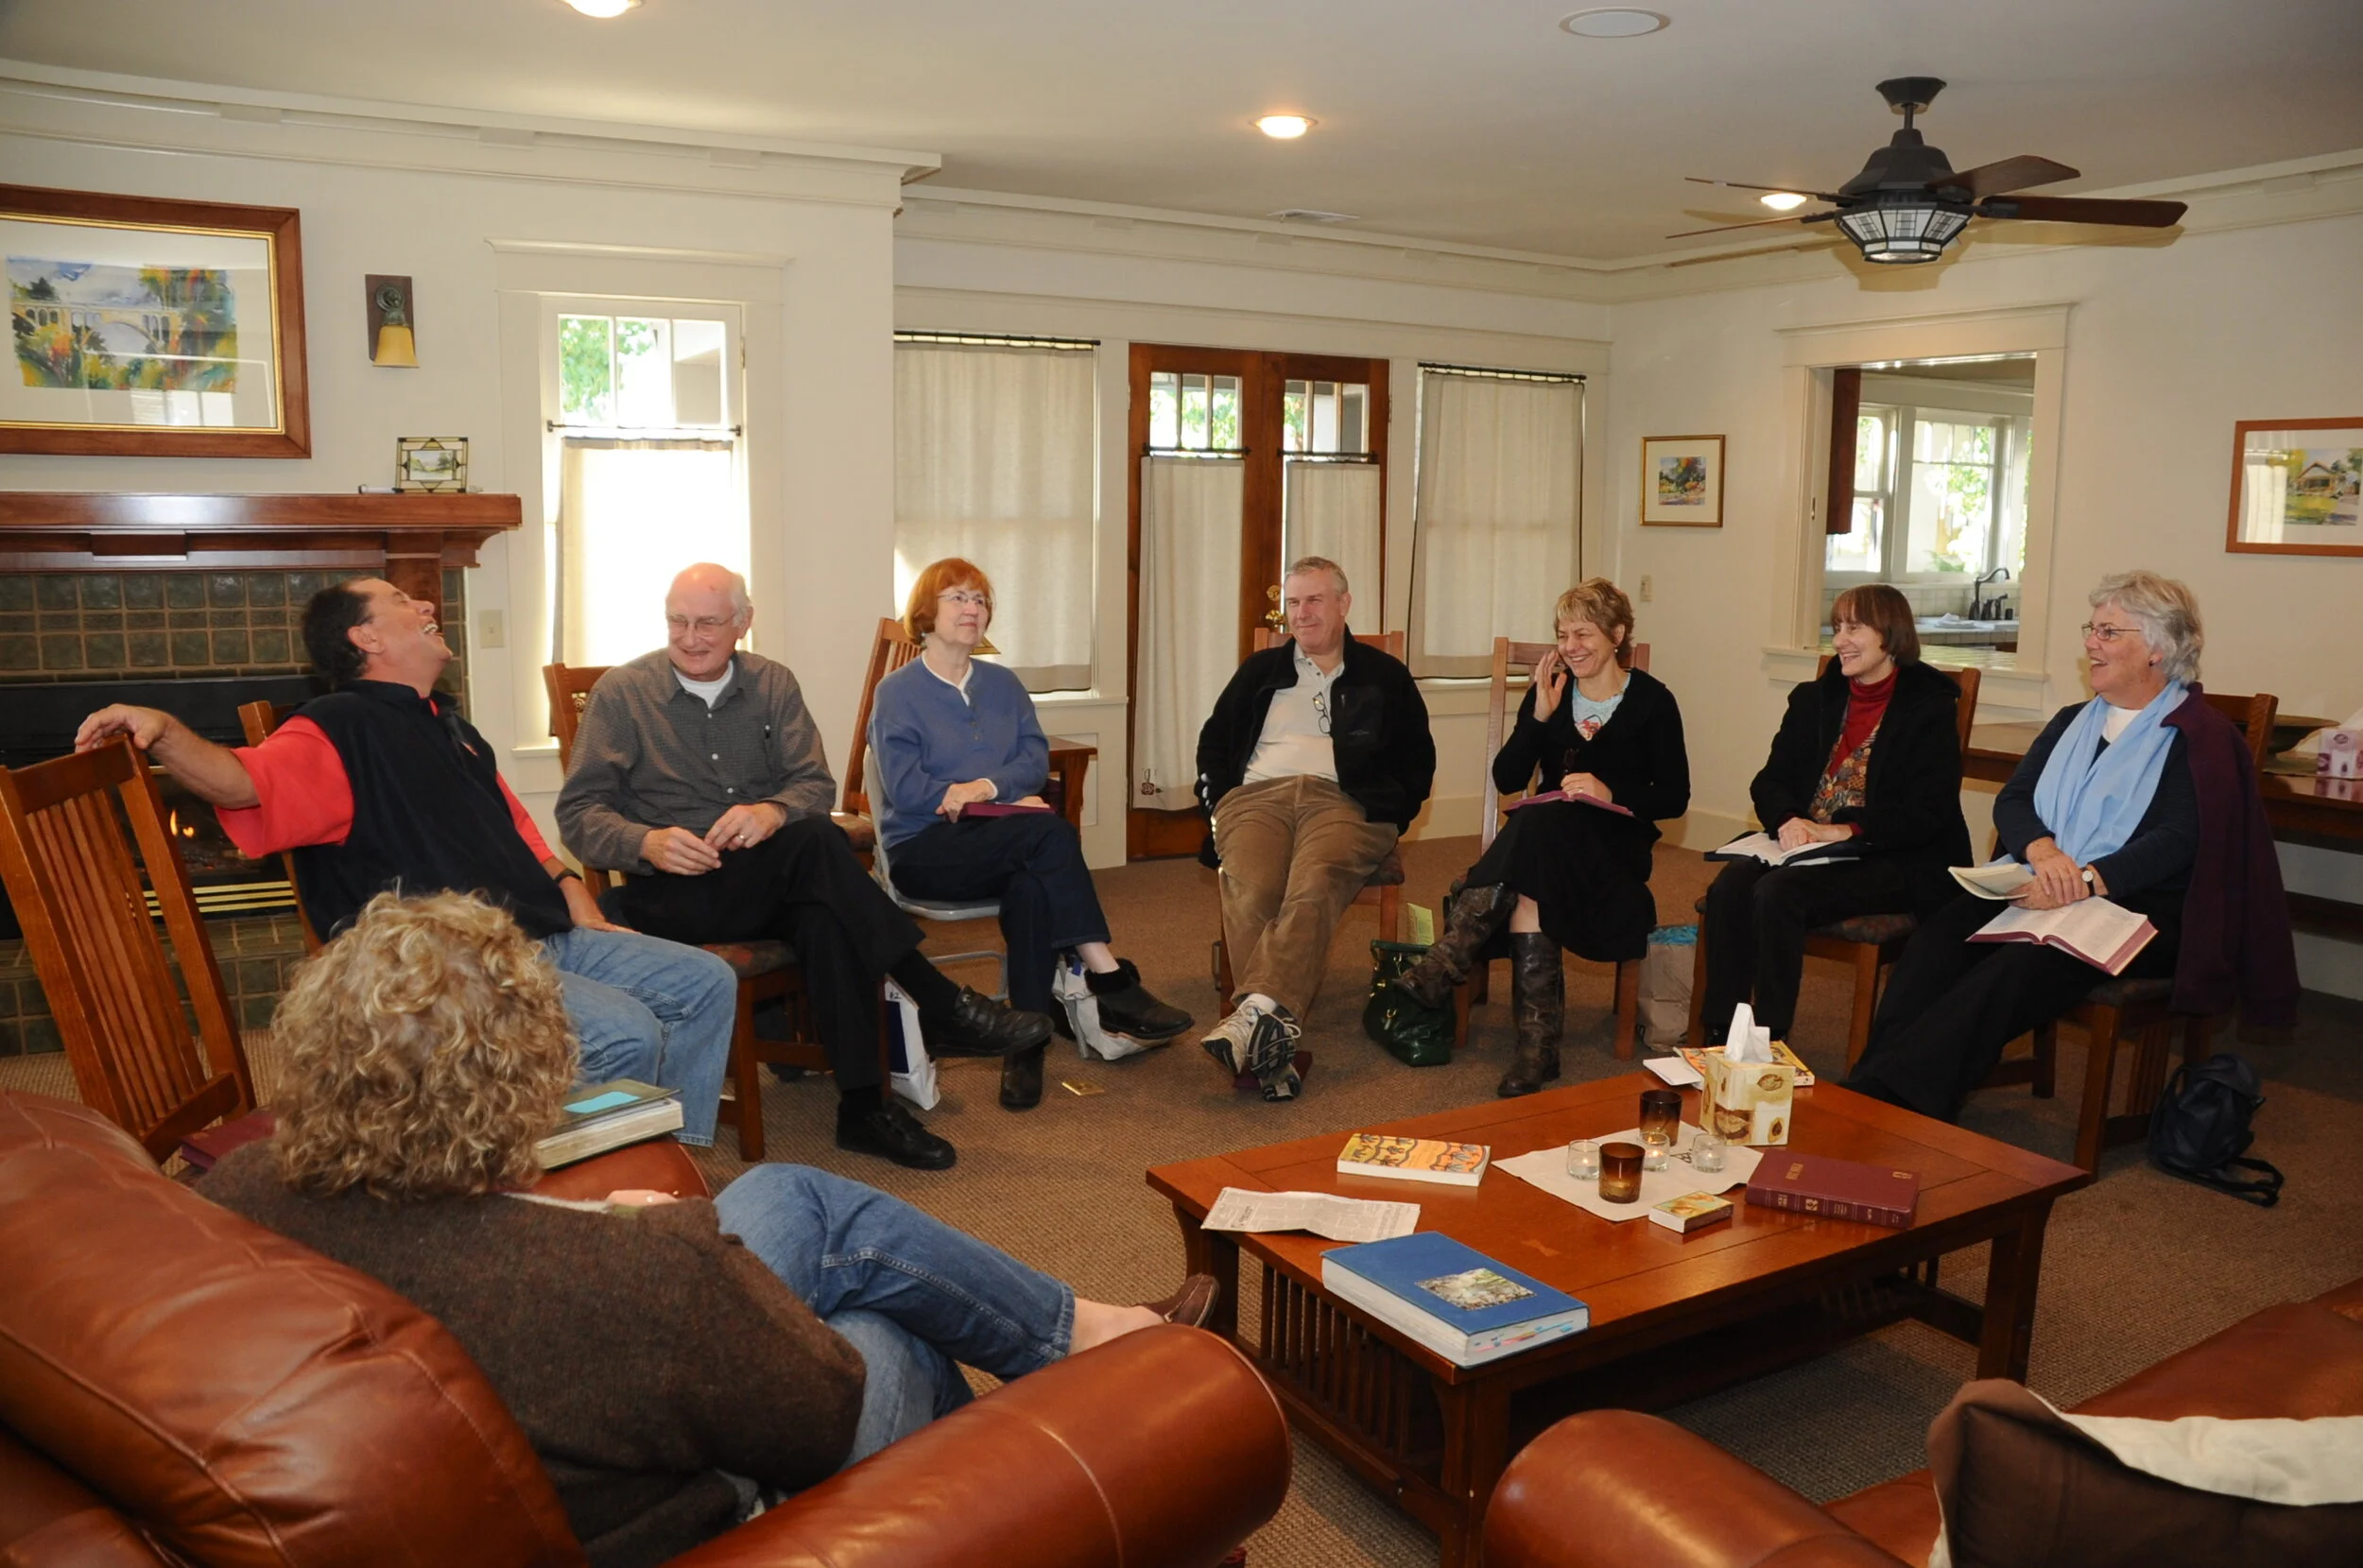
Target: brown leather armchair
{"points": [[1646, 1491], [178, 1386]]}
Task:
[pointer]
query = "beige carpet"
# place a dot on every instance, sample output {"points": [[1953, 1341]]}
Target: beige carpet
{"points": [[2136, 1266]]}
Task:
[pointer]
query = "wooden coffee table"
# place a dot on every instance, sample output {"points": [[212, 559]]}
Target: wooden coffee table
{"points": [[1774, 1287]]}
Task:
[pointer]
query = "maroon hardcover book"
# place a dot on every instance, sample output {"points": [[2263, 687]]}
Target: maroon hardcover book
{"points": [[1833, 1189]]}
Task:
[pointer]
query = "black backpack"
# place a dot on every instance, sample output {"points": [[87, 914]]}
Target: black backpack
{"points": [[2201, 1129]]}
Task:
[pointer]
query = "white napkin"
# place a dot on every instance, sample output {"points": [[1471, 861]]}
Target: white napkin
{"points": [[1748, 1040]]}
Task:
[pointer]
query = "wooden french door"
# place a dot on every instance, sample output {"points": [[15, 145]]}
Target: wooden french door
{"points": [[1224, 446]]}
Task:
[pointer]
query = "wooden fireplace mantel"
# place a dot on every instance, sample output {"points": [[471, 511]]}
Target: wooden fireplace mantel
{"points": [[410, 539]]}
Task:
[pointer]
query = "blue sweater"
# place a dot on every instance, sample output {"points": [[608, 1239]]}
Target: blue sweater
{"points": [[928, 739]]}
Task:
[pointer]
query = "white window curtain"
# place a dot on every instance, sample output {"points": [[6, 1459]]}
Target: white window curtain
{"points": [[1333, 510], [630, 515], [1190, 512], [1497, 515], [993, 462]]}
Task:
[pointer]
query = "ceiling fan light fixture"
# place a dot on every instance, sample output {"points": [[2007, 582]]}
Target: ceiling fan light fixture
{"points": [[1613, 22], [604, 9], [1784, 201], [1903, 227], [1286, 128]]}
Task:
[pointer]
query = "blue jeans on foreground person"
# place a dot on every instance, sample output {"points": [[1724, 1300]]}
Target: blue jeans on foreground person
{"points": [[914, 1296], [653, 1010]]}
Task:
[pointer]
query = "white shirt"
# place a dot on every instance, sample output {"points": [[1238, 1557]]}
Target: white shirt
{"points": [[1295, 739], [711, 690]]}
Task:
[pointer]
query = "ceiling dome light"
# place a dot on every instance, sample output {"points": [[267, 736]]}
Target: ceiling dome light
{"points": [[1613, 22], [1902, 227], [1286, 128], [1784, 201], [603, 9]]}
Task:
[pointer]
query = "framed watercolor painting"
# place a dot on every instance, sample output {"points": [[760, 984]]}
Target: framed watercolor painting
{"points": [[431, 463], [2297, 487], [152, 329], [1681, 481]]}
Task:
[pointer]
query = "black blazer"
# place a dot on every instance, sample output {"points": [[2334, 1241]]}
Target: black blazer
{"points": [[1911, 807], [1638, 753], [1386, 757]]}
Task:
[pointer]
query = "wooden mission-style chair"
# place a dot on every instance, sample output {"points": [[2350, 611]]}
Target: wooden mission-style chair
{"points": [[1869, 944], [767, 970], [258, 719], [74, 878], [1384, 890], [1509, 656]]}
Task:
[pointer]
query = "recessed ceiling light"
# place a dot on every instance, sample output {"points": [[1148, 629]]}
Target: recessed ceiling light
{"points": [[1285, 128], [603, 8], [1783, 201], [1612, 22]]}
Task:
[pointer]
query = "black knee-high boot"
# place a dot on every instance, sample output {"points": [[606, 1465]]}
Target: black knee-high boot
{"points": [[1539, 996], [1476, 914]]}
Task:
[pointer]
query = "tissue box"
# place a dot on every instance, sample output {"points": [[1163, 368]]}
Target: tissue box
{"points": [[1748, 1102], [2340, 754]]}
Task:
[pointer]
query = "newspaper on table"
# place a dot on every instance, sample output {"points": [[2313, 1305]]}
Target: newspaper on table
{"points": [[1323, 1213]]}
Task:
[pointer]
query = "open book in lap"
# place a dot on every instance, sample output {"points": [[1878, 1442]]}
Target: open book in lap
{"points": [[1550, 796], [1765, 847], [2106, 935]]}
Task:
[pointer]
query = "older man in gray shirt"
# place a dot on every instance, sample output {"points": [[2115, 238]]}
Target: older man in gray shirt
{"points": [[698, 773]]}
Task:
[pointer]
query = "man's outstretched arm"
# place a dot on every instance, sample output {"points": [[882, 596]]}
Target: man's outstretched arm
{"points": [[213, 773]]}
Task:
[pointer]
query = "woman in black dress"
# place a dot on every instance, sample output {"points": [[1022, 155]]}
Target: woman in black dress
{"points": [[1868, 756], [1571, 872]]}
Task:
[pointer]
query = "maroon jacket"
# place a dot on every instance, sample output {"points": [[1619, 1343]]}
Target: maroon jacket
{"points": [[2235, 921]]}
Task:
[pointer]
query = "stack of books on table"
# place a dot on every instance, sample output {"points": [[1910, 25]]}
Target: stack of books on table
{"points": [[1453, 1299], [608, 1115]]}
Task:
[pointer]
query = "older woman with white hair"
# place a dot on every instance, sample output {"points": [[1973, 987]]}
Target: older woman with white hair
{"points": [[2144, 795]]}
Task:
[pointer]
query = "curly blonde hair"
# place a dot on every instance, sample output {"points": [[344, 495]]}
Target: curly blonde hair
{"points": [[427, 1048], [1602, 603]]}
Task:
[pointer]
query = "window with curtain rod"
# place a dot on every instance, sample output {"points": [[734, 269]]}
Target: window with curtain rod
{"points": [[1553, 378], [1000, 340]]}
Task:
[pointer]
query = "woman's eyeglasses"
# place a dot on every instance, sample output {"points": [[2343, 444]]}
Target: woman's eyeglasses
{"points": [[2107, 633], [965, 596]]}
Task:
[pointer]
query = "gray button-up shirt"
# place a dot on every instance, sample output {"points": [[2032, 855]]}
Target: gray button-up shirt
{"points": [[651, 754]]}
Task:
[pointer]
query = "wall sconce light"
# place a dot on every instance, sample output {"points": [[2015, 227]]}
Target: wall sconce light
{"points": [[391, 338]]}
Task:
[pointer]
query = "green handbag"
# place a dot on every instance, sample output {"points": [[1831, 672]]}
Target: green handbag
{"points": [[1413, 1035]]}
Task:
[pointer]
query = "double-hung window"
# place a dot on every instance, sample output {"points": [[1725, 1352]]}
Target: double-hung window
{"points": [[651, 465], [1939, 494]]}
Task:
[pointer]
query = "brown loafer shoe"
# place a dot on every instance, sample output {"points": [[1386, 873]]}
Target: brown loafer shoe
{"points": [[1191, 1305]]}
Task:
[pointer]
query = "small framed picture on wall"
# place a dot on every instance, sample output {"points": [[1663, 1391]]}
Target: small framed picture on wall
{"points": [[1681, 481], [2297, 487], [431, 463]]}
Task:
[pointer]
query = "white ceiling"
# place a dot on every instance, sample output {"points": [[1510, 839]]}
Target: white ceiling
{"points": [[1477, 122]]}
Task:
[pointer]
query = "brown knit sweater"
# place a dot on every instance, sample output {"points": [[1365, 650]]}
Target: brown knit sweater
{"points": [[641, 1349]]}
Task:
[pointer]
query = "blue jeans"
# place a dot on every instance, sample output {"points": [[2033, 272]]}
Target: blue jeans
{"points": [[652, 1010], [914, 1296]]}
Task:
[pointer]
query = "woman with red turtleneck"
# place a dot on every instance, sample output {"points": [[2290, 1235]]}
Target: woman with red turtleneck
{"points": [[1869, 755]]}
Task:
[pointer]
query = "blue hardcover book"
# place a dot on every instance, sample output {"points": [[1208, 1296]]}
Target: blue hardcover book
{"points": [[1453, 1299]]}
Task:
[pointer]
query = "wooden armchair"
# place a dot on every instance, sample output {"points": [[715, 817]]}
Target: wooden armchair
{"points": [[1508, 656], [1384, 890], [258, 719], [1869, 944], [74, 878]]}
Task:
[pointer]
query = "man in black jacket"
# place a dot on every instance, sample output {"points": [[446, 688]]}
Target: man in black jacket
{"points": [[1314, 760]]}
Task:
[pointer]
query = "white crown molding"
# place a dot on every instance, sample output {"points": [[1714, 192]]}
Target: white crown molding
{"points": [[187, 118]]}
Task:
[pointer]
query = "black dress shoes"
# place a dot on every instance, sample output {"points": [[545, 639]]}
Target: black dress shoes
{"points": [[890, 1132], [1128, 1008], [1021, 1080], [976, 1025]]}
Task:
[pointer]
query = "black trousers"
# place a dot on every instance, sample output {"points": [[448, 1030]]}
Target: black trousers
{"points": [[1033, 863], [1755, 923], [1953, 1005], [801, 886]]}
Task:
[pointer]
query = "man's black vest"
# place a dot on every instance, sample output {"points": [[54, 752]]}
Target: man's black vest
{"points": [[428, 814]]}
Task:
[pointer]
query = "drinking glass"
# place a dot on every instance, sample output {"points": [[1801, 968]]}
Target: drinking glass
{"points": [[1583, 1160], [1662, 1109], [1620, 1173]]}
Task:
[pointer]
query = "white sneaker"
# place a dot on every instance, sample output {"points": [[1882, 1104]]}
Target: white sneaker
{"points": [[1229, 1042]]}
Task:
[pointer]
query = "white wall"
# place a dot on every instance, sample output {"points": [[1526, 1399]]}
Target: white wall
{"points": [[997, 270], [2165, 349], [457, 214]]}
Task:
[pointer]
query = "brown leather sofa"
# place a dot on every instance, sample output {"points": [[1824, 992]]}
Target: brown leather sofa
{"points": [[1618, 1487], [178, 1386]]}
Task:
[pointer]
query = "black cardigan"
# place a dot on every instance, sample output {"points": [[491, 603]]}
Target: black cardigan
{"points": [[1911, 808], [1638, 753], [1386, 757]]}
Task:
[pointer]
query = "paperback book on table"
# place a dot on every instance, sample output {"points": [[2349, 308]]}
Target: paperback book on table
{"points": [[1834, 1189], [608, 1115], [1450, 1298], [1414, 1159]]}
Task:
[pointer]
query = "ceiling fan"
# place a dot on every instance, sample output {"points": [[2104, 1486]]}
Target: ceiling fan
{"points": [[1908, 203]]}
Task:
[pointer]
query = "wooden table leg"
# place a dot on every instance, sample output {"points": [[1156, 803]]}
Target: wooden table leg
{"points": [[1477, 1451], [2011, 1276], [1212, 1252]]}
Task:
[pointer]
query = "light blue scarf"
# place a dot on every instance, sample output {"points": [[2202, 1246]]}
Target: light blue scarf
{"points": [[2093, 799]]}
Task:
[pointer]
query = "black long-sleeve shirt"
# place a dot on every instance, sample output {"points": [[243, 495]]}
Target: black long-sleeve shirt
{"points": [[2156, 860], [1638, 753]]}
